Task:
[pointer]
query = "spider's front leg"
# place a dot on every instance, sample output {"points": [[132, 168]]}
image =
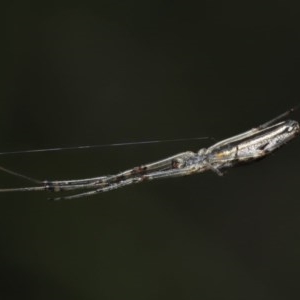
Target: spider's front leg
{"points": [[111, 182], [137, 179]]}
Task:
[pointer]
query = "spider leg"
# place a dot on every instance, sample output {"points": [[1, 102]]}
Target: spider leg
{"points": [[168, 163], [280, 117], [138, 179], [164, 164], [75, 181]]}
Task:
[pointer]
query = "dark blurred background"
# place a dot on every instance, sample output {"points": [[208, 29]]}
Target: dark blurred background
{"points": [[117, 71]]}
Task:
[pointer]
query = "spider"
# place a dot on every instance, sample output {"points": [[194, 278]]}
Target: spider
{"points": [[246, 147]]}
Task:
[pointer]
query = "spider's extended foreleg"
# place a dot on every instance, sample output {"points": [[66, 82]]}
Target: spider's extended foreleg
{"points": [[138, 179], [169, 163], [103, 182]]}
